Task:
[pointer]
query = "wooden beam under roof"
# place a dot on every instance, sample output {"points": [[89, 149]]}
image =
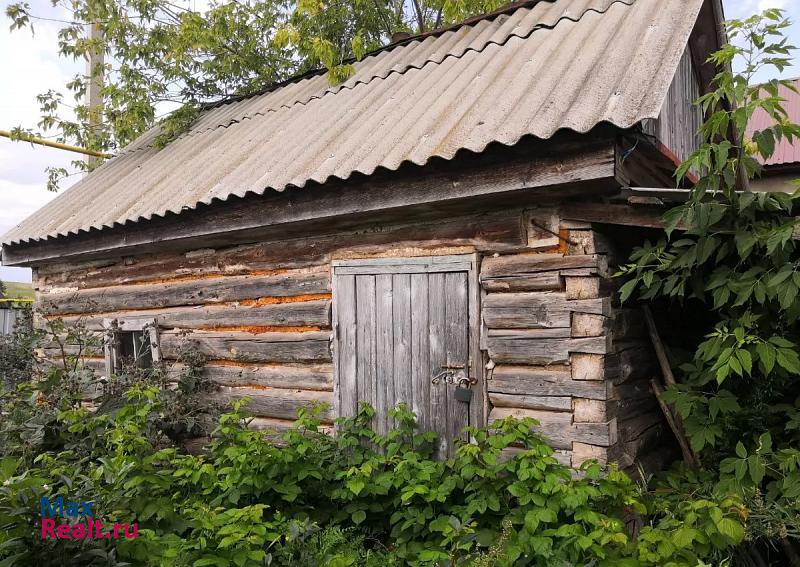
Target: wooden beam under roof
{"points": [[534, 170]]}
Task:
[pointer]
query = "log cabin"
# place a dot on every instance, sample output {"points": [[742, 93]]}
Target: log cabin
{"points": [[439, 229]]}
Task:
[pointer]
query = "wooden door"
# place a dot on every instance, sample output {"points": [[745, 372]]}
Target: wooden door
{"points": [[400, 323]]}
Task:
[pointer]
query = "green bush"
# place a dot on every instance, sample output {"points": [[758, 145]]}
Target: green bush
{"points": [[356, 498], [733, 256]]}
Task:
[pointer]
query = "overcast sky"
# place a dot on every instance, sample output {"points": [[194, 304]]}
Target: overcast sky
{"points": [[30, 66]]}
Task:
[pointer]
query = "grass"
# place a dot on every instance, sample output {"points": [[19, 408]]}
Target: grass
{"points": [[18, 290]]}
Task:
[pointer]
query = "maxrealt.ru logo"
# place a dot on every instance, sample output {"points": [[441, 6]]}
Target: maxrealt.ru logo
{"points": [[78, 521]]}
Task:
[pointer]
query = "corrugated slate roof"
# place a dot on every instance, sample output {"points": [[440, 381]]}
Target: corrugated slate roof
{"points": [[786, 152], [566, 64]]}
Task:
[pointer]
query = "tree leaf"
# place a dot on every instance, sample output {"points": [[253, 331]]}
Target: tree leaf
{"points": [[766, 355], [731, 529], [745, 359], [358, 516], [756, 469], [627, 289]]}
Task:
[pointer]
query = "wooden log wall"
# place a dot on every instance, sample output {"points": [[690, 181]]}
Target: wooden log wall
{"points": [[562, 351], [677, 126], [565, 353], [261, 312]]}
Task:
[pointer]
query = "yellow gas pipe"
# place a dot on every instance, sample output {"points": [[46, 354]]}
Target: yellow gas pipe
{"points": [[50, 144]]}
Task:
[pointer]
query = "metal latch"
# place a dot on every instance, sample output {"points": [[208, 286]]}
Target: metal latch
{"points": [[449, 374]]}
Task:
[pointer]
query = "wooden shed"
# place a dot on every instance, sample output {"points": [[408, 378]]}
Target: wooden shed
{"points": [[446, 219]]}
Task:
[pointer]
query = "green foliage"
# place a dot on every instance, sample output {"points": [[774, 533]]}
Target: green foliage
{"points": [[731, 254], [357, 498], [17, 356], [354, 498], [161, 54]]}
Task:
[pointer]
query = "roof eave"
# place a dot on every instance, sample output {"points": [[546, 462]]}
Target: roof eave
{"points": [[544, 166]]}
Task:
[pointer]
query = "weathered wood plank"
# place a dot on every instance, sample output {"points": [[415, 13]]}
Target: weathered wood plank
{"points": [[270, 424], [633, 390], [479, 406], [485, 231], [401, 319], [543, 381], [546, 281], [632, 363], [277, 403], [602, 434], [591, 411], [605, 213], [437, 321], [537, 310], [315, 313], [542, 224], [92, 346], [588, 325], [365, 339], [537, 351], [587, 240], [582, 287], [246, 347], [588, 367], [307, 377], [632, 428], [582, 452], [191, 292], [627, 408], [457, 346], [274, 428], [345, 376], [649, 439], [548, 300], [401, 269], [518, 265], [403, 265], [554, 333], [550, 403], [420, 352], [384, 356]]}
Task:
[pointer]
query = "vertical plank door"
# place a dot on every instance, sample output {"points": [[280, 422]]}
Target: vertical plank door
{"points": [[400, 323]]}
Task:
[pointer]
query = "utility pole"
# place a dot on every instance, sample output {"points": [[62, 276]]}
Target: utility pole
{"points": [[95, 70]]}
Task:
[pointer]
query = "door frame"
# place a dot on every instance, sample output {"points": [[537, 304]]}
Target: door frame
{"points": [[479, 406]]}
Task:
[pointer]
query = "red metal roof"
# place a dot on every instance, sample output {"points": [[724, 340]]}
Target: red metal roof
{"points": [[785, 152]]}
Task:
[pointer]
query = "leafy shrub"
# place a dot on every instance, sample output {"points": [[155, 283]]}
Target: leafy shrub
{"points": [[733, 256], [356, 498]]}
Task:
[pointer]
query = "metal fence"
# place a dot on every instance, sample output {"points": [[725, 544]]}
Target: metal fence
{"points": [[9, 317]]}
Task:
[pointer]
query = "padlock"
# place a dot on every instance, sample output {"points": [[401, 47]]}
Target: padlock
{"points": [[463, 394]]}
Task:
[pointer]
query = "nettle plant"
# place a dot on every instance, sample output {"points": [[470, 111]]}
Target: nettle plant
{"points": [[731, 253]]}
